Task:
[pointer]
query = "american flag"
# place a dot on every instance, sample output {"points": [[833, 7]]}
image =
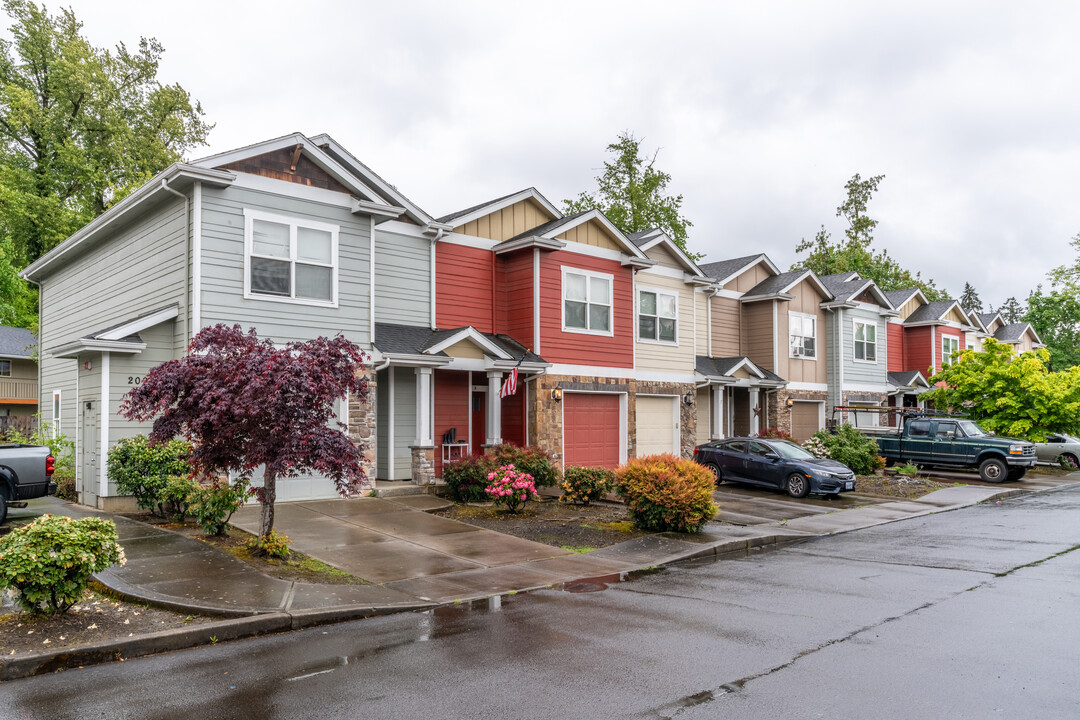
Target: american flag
{"points": [[509, 386]]}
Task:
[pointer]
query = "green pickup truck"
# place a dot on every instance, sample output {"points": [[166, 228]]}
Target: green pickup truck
{"points": [[951, 442]]}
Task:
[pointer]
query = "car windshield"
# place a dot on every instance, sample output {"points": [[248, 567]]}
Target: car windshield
{"points": [[972, 429], [791, 451]]}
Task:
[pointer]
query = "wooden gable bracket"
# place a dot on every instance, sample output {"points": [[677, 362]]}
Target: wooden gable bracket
{"points": [[295, 157]]}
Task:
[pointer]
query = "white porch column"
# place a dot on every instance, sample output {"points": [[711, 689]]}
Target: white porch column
{"points": [[717, 411], [755, 398], [423, 407], [494, 408]]}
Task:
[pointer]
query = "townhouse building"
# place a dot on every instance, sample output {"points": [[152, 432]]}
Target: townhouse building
{"points": [[18, 379]]}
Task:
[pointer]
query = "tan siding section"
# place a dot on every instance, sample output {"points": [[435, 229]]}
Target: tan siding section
{"points": [[591, 233], [750, 278], [757, 333], [664, 357], [704, 416], [701, 332], [807, 301], [956, 316], [664, 257], [506, 223], [464, 349], [909, 307], [726, 327]]}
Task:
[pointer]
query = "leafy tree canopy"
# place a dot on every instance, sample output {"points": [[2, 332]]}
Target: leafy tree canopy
{"points": [[80, 126], [631, 191], [1014, 395], [1011, 311], [855, 253], [969, 299], [245, 403], [1055, 315]]}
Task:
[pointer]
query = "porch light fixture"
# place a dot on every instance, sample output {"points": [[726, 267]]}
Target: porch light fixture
{"points": [[790, 403], [688, 398], [556, 395]]}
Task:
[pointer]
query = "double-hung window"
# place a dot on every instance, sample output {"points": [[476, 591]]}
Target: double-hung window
{"points": [[865, 341], [587, 299], [802, 335], [5, 368], [949, 345], [289, 259], [658, 316]]}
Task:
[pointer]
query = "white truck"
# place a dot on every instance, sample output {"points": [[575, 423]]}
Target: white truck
{"points": [[25, 473]]}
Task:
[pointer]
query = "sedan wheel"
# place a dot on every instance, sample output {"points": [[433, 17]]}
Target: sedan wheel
{"points": [[715, 470], [797, 485]]}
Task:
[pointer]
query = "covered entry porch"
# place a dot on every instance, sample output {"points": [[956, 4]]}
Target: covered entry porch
{"points": [[735, 397]]}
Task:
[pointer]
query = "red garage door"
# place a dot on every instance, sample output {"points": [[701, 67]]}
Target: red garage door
{"points": [[591, 429]]}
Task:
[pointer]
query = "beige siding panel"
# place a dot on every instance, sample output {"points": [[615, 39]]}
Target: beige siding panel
{"points": [[591, 233], [664, 357], [994, 327], [506, 223], [750, 278], [702, 329], [909, 307], [726, 327], [664, 257], [956, 316], [808, 301], [464, 349], [704, 416], [757, 333]]}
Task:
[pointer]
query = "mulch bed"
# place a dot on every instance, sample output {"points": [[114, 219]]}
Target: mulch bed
{"points": [[896, 486], [575, 527]]}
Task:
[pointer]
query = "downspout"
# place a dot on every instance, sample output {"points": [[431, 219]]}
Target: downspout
{"points": [[438, 236], [187, 270]]}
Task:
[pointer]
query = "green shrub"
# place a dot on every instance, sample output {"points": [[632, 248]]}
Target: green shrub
{"points": [[582, 485], [665, 493], [908, 469], [65, 484], [143, 470], [177, 494], [213, 503], [274, 545], [49, 561], [467, 478], [850, 447], [531, 460]]}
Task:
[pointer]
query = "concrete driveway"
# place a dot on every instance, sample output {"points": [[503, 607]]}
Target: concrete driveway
{"points": [[751, 505]]}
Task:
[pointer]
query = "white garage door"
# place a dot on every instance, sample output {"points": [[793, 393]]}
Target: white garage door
{"points": [[657, 425]]}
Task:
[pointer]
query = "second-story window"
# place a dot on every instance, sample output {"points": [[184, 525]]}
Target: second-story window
{"points": [[802, 334], [949, 345], [5, 368], [865, 341], [657, 316], [587, 301], [290, 259]]}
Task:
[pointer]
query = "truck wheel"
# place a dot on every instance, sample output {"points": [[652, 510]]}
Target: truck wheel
{"points": [[797, 485], [1017, 473], [3, 506], [993, 470], [715, 470]]}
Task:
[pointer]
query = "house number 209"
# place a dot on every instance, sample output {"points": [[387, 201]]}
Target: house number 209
{"points": [[134, 379]]}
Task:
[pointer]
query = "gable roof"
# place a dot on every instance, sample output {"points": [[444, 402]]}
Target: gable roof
{"points": [[783, 282], [550, 229], [648, 239], [643, 237], [845, 291], [898, 298], [907, 378], [16, 342], [1014, 333], [840, 277], [361, 186], [987, 319], [724, 367], [120, 337], [392, 339], [460, 217], [725, 270], [933, 312]]}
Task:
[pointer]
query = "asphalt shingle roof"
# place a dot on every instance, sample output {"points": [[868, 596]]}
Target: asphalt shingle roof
{"points": [[930, 311], [987, 318], [713, 367], [547, 227], [899, 297], [722, 269], [643, 236], [1012, 332], [410, 340], [466, 211], [904, 378], [843, 290], [16, 342], [775, 284]]}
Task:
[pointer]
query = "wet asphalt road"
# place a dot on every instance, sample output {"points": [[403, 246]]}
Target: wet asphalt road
{"points": [[966, 614]]}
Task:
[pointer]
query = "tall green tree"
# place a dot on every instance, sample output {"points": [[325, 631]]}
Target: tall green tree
{"points": [[855, 252], [632, 192], [1011, 311], [1055, 315], [969, 299], [1014, 395], [80, 126]]}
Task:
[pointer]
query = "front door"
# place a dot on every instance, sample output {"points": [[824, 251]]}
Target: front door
{"points": [[88, 471], [478, 422]]}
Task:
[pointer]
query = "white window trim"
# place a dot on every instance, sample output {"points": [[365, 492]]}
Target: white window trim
{"points": [[637, 315], [854, 323], [610, 332], [10, 367], [951, 339], [250, 216], [807, 316], [57, 410]]}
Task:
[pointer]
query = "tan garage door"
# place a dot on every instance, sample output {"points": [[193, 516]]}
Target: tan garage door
{"points": [[805, 420], [656, 425]]}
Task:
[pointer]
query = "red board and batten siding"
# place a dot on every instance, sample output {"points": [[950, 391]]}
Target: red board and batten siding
{"points": [[917, 344], [515, 297], [452, 399], [464, 290], [943, 331], [585, 348], [896, 348]]}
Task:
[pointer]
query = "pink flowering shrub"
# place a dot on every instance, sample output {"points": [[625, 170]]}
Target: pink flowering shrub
{"points": [[511, 488]]}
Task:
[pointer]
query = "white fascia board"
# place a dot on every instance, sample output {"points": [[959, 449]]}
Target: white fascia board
{"points": [[475, 337], [351, 162], [16, 357], [139, 324], [275, 186], [85, 345], [770, 296], [147, 191], [313, 152], [636, 262], [379, 210], [632, 249], [508, 246], [757, 260], [410, 360], [808, 387], [487, 209], [689, 264]]}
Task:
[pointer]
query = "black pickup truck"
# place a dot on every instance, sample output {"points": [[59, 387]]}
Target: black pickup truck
{"points": [[953, 442], [25, 473]]}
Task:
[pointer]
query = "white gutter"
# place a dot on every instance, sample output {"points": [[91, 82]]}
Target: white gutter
{"points": [[196, 260], [103, 451]]}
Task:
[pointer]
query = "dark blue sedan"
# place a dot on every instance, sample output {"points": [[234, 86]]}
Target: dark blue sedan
{"points": [[774, 463]]}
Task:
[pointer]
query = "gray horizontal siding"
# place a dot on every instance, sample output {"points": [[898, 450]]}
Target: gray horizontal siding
{"points": [[402, 279], [223, 269]]}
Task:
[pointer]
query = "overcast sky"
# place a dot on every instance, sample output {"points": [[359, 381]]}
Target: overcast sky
{"points": [[761, 111]]}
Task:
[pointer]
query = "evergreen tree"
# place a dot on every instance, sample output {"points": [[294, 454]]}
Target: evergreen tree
{"points": [[969, 300]]}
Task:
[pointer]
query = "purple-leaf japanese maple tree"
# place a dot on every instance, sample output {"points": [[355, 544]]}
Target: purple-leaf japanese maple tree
{"points": [[245, 403]]}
